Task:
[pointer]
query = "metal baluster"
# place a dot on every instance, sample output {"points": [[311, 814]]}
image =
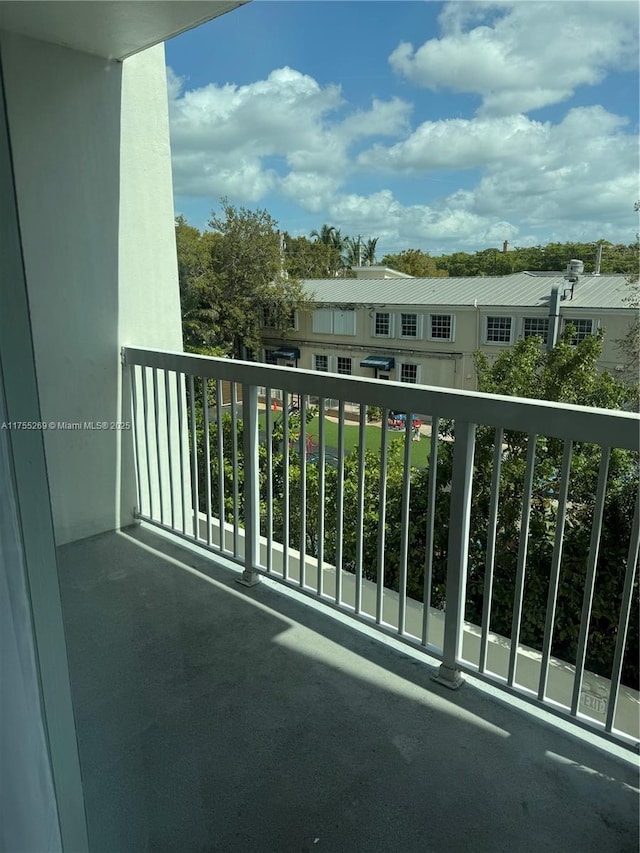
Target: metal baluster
{"points": [[221, 475], [340, 503], [303, 491], [181, 400], [404, 526], [590, 579], [321, 493], [195, 497], [458, 553], [429, 538], [145, 414], [136, 435], [556, 559], [250, 577], [625, 615], [167, 403], [207, 456], [491, 548], [285, 479], [522, 558], [269, 478], [234, 465], [156, 424], [382, 517], [360, 509]]}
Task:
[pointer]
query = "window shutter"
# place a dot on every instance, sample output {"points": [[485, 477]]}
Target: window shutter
{"points": [[323, 321], [344, 322]]}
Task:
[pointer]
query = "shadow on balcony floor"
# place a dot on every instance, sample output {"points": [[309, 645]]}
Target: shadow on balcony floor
{"points": [[216, 718]]}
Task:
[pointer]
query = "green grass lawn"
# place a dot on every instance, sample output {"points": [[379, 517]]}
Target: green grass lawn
{"points": [[419, 449]]}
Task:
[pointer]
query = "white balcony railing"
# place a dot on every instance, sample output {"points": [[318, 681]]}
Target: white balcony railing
{"points": [[391, 546]]}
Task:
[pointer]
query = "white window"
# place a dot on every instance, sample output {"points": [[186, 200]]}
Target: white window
{"points": [[409, 326], [344, 366], [323, 321], [321, 362], [441, 327], [409, 373], [344, 322], [498, 330], [536, 327], [382, 324], [583, 328]]}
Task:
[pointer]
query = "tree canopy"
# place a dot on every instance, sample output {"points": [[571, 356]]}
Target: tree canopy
{"points": [[231, 278], [616, 258], [414, 262]]}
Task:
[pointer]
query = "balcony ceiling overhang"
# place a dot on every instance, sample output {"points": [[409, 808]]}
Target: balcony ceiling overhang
{"points": [[114, 29]]}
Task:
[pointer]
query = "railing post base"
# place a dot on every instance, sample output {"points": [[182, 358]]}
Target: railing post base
{"points": [[248, 578], [451, 678]]}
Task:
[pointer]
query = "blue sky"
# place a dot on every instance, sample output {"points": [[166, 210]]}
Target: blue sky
{"points": [[440, 126]]}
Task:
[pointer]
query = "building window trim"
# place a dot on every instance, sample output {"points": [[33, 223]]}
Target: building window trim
{"points": [[414, 371], [325, 358], [344, 369], [418, 326], [532, 331], [452, 328], [374, 329], [581, 331], [499, 325]]}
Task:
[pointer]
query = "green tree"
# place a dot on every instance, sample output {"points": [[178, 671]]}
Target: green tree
{"points": [[199, 306], [310, 259], [249, 278], [567, 374], [414, 262], [554, 256]]}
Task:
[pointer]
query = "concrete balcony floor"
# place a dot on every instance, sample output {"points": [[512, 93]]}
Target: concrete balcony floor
{"points": [[212, 717]]}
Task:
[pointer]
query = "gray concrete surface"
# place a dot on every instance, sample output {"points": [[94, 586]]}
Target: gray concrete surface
{"points": [[212, 717]]}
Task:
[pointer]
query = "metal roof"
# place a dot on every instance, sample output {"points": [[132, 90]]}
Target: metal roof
{"points": [[517, 290]]}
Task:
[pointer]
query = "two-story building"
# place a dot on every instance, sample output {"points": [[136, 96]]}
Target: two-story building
{"points": [[389, 325]]}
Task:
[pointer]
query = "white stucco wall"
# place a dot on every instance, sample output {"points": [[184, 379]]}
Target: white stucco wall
{"points": [[149, 297], [93, 180]]}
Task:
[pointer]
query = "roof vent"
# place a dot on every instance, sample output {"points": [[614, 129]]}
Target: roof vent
{"points": [[575, 268]]}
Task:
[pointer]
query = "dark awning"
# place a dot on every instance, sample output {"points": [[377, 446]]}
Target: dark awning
{"points": [[380, 361], [287, 354]]}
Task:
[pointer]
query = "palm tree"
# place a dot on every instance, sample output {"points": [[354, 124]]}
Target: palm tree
{"points": [[353, 251], [369, 251], [325, 235]]}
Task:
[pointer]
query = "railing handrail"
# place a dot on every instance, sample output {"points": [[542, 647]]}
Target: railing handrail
{"points": [[606, 427]]}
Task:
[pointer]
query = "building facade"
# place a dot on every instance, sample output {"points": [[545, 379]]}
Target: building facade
{"points": [[426, 331]]}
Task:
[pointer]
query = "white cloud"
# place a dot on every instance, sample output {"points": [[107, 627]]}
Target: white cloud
{"points": [[523, 56], [577, 177], [290, 136], [433, 227], [223, 136], [459, 144]]}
